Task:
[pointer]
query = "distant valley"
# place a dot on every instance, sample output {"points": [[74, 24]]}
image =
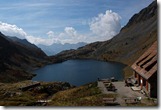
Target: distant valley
{"points": [[58, 47]]}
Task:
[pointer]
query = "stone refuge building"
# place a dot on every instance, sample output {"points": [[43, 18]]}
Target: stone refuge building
{"points": [[145, 71]]}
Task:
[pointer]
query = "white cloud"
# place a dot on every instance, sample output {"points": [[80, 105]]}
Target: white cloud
{"points": [[105, 26], [70, 31], [12, 30], [70, 35], [39, 40], [50, 34]]}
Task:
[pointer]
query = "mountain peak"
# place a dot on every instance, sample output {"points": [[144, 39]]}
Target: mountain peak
{"points": [[143, 15]]}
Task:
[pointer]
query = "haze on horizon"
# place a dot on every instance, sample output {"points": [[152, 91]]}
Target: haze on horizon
{"points": [[66, 21]]}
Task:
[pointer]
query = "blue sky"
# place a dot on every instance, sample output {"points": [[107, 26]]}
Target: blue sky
{"points": [[46, 19]]}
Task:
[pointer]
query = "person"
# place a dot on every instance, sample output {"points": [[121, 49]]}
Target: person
{"points": [[126, 82]]}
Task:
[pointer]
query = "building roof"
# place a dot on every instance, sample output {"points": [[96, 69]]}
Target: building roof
{"points": [[146, 65]]}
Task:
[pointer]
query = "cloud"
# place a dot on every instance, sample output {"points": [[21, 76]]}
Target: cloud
{"points": [[39, 40], [69, 35], [12, 30], [50, 34], [70, 31], [105, 26], [49, 40]]}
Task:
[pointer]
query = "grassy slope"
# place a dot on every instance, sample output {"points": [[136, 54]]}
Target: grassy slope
{"points": [[87, 95]]}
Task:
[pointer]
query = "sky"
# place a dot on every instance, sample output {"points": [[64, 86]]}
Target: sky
{"points": [[66, 21]]}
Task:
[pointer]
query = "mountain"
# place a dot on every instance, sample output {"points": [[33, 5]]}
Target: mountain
{"points": [[25, 43], [58, 47], [22, 42], [132, 41], [17, 58]]}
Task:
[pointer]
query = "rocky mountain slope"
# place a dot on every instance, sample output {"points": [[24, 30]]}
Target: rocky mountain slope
{"points": [[17, 58], [25, 43], [133, 39]]}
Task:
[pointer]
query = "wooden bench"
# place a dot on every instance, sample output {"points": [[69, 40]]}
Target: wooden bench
{"points": [[110, 87], [109, 101], [132, 100], [107, 84], [106, 81]]}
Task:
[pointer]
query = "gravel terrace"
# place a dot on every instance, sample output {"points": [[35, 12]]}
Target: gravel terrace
{"points": [[122, 91]]}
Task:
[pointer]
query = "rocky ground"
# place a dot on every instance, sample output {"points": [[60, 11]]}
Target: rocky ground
{"points": [[12, 95]]}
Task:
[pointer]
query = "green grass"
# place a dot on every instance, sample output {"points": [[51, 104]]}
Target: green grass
{"points": [[87, 95]]}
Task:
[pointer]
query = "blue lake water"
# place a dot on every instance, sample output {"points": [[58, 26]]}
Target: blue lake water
{"points": [[79, 72]]}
